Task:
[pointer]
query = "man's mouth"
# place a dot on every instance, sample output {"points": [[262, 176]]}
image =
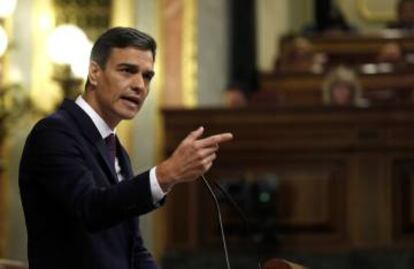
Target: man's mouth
{"points": [[132, 100]]}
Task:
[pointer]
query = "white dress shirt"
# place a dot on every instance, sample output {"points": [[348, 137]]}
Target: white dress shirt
{"points": [[105, 130]]}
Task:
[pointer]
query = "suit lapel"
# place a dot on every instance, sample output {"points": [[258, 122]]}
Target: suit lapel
{"points": [[89, 130]]}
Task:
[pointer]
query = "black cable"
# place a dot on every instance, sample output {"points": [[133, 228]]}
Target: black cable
{"points": [[223, 237]]}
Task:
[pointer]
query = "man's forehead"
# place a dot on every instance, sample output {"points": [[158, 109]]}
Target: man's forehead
{"points": [[121, 53]]}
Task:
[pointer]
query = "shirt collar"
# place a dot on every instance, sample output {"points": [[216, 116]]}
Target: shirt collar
{"points": [[97, 120]]}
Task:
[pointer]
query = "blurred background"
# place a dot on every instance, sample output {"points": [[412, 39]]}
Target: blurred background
{"points": [[318, 93]]}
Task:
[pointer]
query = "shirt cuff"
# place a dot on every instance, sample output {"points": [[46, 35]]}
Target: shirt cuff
{"points": [[156, 191]]}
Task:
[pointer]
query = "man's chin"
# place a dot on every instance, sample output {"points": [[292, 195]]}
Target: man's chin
{"points": [[128, 115]]}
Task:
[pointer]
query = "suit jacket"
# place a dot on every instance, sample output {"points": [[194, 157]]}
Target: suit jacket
{"points": [[77, 214]]}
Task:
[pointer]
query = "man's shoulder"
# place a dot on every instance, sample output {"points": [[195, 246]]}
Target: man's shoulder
{"points": [[55, 121], [68, 123], [64, 117], [52, 134]]}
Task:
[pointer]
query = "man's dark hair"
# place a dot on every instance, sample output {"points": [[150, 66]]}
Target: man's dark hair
{"points": [[120, 37]]}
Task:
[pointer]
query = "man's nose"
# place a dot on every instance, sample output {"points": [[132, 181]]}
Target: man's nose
{"points": [[138, 82]]}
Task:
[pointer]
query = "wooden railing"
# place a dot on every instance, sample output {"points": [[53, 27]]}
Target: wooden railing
{"points": [[306, 88], [354, 48]]}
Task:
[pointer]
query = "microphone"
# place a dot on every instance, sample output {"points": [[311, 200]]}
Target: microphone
{"points": [[223, 237], [273, 263], [239, 211]]}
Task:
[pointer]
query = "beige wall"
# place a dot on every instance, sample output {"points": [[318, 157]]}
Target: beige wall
{"points": [[368, 15], [212, 52], [272, 22]]}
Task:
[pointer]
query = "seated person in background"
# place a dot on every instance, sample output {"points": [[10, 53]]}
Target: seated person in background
{"points": [[341, 87], [239, 92], [388, 58], [390, 52], [405, 16], [393, 53], [242, 94], [300, 57], [235, 97]]}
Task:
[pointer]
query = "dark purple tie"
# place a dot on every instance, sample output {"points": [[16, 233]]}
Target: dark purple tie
{"points": [[111, 145]]}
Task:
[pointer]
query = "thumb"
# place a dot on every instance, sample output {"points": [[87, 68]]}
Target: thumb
{"points": [[195, 134]]}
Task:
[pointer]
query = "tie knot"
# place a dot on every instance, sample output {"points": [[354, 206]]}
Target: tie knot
{"points": [[110, 142]]}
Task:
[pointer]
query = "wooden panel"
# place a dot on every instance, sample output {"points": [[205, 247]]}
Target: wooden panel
{"points": [[369, 203], [401, 136], [309, 195], [344, 176], [183, 210], [403, 198], [308, 204]]}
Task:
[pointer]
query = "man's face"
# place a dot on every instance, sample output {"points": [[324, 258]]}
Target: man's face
{"points": [[120, 89]]}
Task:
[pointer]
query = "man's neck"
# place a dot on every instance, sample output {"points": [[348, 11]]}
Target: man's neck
{"points": [[101, 112]]}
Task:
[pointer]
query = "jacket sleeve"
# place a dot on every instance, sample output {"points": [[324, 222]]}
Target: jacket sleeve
{"points": [[53, 163]]}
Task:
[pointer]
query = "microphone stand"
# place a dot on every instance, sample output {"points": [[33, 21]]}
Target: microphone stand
{"points": [[240, 213], [270, 264], [223, 237]]}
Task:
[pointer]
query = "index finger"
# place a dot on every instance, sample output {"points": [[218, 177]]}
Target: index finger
{"points": [[215, 139]]}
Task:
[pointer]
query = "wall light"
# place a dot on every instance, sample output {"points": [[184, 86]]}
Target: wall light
{"points": [[3, 41], [80, 64], [68, 48], [7, 7], [65, 43]]}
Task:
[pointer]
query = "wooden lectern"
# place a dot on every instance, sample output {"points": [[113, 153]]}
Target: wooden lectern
{"points": [[282, 264]]}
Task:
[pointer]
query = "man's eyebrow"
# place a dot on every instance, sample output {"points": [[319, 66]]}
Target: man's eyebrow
{"points": [[134, 66]]}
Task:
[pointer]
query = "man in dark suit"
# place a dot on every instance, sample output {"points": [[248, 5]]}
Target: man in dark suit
{"points": [[80, 198]]}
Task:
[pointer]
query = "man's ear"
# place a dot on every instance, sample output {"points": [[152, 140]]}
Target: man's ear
{"points": [[93, 74]]}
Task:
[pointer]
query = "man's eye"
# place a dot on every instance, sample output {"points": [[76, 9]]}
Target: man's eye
{"points": [[148, 76], [126, 70]]}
